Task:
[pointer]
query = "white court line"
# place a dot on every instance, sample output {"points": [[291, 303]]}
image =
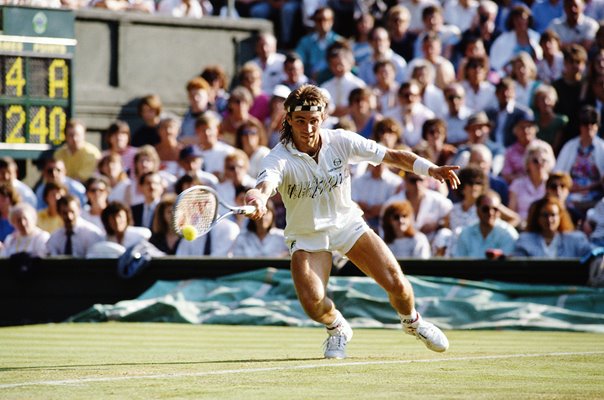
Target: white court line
{"points": [[326, 364]]}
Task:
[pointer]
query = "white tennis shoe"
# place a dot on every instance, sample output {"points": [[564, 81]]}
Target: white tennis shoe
{"points": [[339, 336], [428, 333]]}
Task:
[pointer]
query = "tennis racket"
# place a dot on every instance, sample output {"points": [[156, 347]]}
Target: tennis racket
{"points": [[197, 206]]}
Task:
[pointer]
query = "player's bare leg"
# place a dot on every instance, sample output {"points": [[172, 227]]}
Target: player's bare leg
{"points": [[310, 273], [371, 255]]}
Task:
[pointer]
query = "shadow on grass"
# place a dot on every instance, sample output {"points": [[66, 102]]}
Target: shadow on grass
{"points": [[252, 361]]}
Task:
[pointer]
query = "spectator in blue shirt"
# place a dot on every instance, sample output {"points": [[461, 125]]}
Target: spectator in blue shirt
{"points": [[312, 48], [53, 170], [544, 12], [550, 233], [8, 198], [490, 233]]}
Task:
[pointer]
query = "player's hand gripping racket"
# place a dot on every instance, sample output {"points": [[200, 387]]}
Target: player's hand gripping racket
{"points": [[196, 211]]}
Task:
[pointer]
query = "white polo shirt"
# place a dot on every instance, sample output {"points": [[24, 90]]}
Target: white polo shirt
{"points": [[317, 196]]}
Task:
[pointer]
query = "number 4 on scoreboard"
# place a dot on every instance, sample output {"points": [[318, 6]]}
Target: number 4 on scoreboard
{"points": [[38, 129], [14, 77]]}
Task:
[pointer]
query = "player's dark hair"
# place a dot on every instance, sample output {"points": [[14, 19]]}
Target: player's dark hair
{"points": [[304, 95]]}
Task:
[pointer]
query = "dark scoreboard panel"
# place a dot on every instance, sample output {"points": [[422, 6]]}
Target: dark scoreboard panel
{"points": [[35, 96], [37, 47]]}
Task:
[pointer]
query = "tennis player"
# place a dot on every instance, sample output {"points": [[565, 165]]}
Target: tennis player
{"points": [[309, 168]]}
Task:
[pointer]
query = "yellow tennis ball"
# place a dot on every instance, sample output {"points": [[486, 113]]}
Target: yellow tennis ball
{"points": [[189, 232]]}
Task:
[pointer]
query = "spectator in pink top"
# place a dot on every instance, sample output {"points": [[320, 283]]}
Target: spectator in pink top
{"points": [[118, 142], [524, 190], [250, 77], [525, 131]]}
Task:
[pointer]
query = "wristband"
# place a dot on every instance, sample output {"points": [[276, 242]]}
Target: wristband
{"points": [[421, 166]]}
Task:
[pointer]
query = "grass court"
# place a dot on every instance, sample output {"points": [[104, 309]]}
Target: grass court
{"points": [[181, 361]]}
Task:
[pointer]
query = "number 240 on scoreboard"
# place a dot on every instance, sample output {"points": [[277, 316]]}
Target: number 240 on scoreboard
{"points": [[34, 99]]}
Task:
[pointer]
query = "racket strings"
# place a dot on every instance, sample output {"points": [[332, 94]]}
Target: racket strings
{"points": [[197, 208]]}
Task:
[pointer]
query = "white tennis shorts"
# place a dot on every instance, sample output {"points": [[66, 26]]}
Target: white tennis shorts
{"points": [[341, 239]]}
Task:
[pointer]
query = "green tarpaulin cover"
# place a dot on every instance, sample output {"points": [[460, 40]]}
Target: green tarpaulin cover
{"points": [[267, 297]]}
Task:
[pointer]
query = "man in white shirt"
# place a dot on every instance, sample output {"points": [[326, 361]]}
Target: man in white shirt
{"points": [[575, 26], [210, 148], [341, 61], [236, 166], [309, 168], [411, 113], [416, 7], [372, 189], [269, 61], [386, 86], [77, 235], [460, 13], [480, 92]]}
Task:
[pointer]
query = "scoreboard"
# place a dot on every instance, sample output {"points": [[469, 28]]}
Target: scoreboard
{"points": [[36, 85]]}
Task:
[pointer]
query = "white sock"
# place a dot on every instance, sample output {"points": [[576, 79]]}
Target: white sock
{"points": [[336, 322], [409, 318]]}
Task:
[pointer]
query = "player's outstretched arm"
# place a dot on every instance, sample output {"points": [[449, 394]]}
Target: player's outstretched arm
{"points": [[411, 162], [258, 197]]}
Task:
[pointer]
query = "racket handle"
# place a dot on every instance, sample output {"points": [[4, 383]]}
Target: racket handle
{"points": [[247, 210]]}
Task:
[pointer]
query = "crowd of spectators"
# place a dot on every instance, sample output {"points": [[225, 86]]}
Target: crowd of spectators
{"points": [[513, 92]]}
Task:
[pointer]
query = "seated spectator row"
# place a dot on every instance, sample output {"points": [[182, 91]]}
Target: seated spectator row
{"points": [[514, 95]]}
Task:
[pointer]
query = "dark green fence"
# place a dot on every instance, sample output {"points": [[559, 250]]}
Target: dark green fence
{"points": [[52, 289]]}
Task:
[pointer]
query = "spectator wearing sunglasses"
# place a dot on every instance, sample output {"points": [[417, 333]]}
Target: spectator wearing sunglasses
{"points": [[489, 233], [538, 162]]}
